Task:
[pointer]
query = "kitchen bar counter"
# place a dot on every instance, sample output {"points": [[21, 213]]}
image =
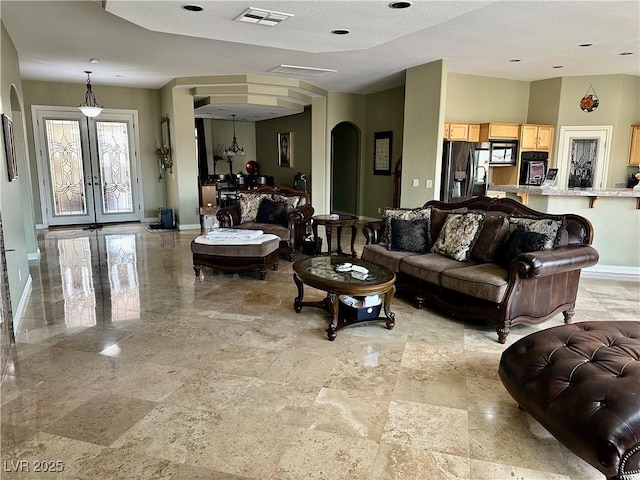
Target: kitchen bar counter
{"points": [[593, 194], [615, 220]]}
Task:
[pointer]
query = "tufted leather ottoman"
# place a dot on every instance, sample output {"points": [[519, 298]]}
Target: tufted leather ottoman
{"points": [[582, 383]]}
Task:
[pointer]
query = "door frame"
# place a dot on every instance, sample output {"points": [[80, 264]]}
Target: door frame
{"points": [[88, 139], [603, 133]]}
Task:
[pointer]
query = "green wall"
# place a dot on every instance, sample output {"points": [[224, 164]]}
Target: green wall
{"points": [[471, 98], [266, 134], [145, 101], [385, 112], [424, 107], [16, 213]]}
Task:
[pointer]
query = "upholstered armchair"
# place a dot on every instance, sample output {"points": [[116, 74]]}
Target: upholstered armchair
{"points": [[281, 211]]}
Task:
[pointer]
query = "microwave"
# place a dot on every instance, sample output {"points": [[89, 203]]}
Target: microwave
{"points": [[503, 152]]}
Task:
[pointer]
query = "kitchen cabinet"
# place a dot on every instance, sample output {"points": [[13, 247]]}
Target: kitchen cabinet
{"points": [[536, 137], [499, 131], [462, 132], [634, 150]]}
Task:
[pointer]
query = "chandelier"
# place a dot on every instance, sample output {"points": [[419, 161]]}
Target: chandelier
{"points": [[234, 149], [91, 108]]}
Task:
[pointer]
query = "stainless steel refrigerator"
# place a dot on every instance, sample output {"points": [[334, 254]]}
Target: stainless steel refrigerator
{"points": [[465, 170]]}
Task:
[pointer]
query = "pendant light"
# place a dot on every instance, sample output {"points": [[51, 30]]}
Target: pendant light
{"points": [[234, 149], [91, 108]]}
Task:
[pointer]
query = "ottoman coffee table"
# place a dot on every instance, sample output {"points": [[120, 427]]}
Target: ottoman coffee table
{"points": [[582, 383], [321, 273], [236, 256]]}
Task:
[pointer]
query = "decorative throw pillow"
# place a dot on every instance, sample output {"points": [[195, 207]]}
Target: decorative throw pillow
{"points": [[273, 212], [293, 200], [551, 227], [249, 204], [438, 217], [458, 235], [519, 241], [494, 232], [401, 214], [409, 235]]}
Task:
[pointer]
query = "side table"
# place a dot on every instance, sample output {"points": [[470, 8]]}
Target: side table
{"points": [[338, 221]]}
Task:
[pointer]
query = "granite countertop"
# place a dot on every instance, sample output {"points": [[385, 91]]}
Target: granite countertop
{"points": [[573, 192]]}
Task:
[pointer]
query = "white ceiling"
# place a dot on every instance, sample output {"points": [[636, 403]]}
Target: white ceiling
{"points": [[148, 43]]}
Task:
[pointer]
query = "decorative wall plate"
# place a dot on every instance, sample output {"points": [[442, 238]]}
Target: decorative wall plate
{"points": [[590, 101]]}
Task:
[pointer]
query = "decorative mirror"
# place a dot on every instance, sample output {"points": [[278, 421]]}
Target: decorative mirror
{"points": [[164, 150]]}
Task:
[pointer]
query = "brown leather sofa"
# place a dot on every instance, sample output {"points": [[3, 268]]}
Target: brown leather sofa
{"points": [[535, 287], [291, 231], [582, 383]]}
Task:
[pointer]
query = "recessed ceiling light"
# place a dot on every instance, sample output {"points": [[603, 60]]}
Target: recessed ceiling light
{"points": [[400, 5], [558, 66], [625, 53], [94, 60], [514, 60], [585, 45], [192, 8], [341, 31], [119, 76]]}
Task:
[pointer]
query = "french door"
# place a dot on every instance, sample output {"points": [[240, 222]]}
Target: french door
{"points": [[88, 168]]}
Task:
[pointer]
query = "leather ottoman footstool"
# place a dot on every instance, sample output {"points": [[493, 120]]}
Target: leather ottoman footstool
{"points": [[236, 257], [582, 383]]}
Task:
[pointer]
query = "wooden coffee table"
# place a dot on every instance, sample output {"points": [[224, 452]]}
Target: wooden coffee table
{"points": [[320, 273]]}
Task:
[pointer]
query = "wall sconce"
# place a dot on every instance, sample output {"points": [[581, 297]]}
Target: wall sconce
{"points": [[164, 157]]}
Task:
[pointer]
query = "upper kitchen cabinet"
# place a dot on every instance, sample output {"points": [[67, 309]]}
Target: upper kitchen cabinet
{"points": [[634, 150], [536, 137], [499, 131], [462, 132]]}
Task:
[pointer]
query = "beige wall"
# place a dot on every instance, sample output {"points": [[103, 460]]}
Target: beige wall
{"points": [[16, 214], [424, 108], [471, 98], [544, 101], [145, 101]]}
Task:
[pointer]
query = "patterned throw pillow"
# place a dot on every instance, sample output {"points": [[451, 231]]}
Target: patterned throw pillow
{"points": [[520, 241], [438, 217], [458, 235], [292, 200], [409, 235], [401, 214], [551, 227], [249, 205]]}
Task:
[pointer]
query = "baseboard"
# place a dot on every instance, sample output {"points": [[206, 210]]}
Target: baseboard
{"points": [[151, 220], [189, 226], [369, 219], [619, 271], [22, 304], [34, 255], [41, 226]]}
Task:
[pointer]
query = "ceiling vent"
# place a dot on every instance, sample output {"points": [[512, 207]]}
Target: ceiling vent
{"points": [[262, 17], [302, 71]]}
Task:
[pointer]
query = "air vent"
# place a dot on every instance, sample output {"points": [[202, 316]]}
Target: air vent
{"points": [[262, 17], [302, 71]]}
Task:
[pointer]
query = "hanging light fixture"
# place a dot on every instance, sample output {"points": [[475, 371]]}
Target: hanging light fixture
{"points": [[90, 107], [234, 149]]}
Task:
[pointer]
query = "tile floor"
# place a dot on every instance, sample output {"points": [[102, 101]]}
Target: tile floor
{"points": [[127, 366]]}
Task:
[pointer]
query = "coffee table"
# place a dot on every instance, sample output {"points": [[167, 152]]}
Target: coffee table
{"points": [[320, 273], [337, 221]]}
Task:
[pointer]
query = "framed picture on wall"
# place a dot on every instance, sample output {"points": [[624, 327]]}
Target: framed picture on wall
{"points": [[285, 150], [9, 148], [382, 153]]}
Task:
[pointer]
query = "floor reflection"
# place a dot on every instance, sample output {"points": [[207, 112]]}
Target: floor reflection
{"points": [[78, 273]]}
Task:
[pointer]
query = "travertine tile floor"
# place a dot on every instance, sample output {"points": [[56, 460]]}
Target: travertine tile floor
{"points": [[127, 366]]}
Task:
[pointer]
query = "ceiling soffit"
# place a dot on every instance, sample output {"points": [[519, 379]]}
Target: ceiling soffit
{"points": [[222, 96]]}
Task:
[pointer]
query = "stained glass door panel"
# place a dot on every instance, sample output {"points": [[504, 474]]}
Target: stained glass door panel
{"points": [[115, 167]]}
